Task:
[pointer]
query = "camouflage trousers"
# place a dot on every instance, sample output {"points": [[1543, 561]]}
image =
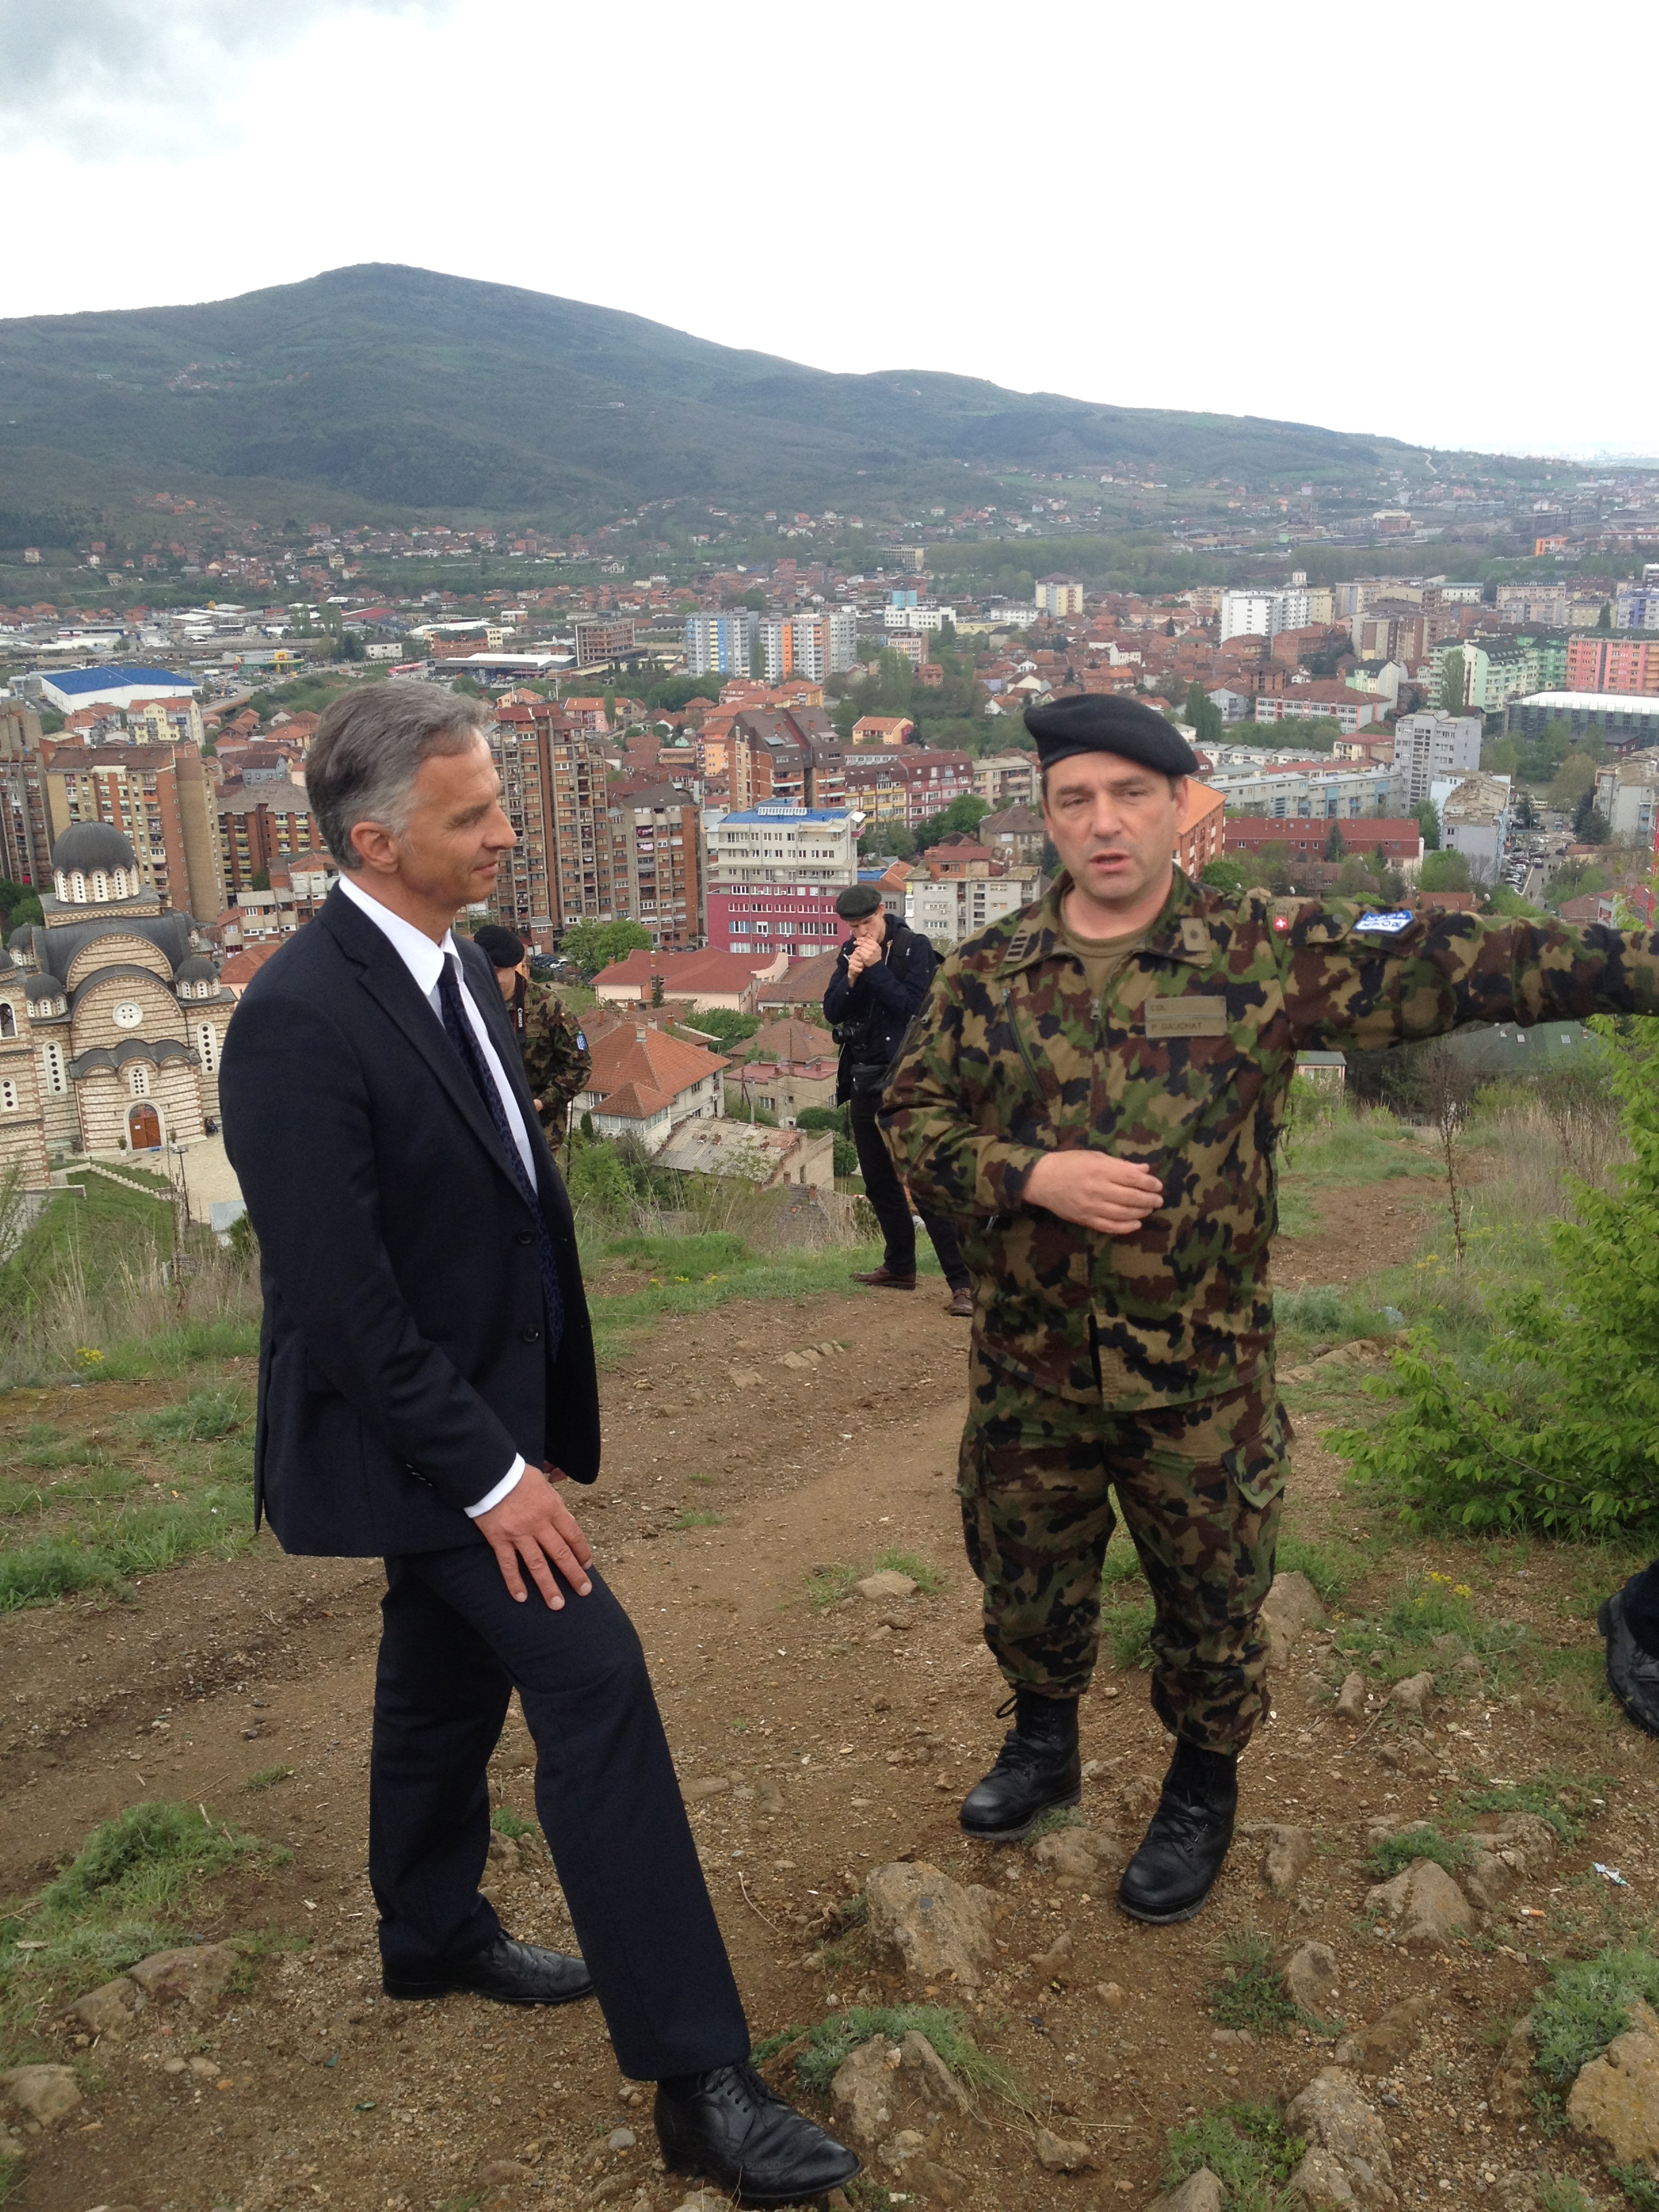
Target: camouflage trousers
{"points": [[1199, 1486]]}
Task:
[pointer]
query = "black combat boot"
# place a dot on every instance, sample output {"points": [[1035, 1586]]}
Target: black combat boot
{"points": [[1037, 1769], [1186, 1846]]}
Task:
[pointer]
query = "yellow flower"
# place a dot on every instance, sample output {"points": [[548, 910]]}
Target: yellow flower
{"points": [[1462, 1589]]}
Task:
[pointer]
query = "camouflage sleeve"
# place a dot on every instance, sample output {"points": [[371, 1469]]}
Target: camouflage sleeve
{"points": [[1357, 978], [927, 1110], [556, 1062]]}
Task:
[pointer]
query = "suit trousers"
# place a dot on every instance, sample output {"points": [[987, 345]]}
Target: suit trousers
{"points": [[453, 1647], [892, 1207]]}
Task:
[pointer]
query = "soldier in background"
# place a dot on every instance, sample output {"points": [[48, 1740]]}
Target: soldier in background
{"points": [[1094, 1092], [556, 1061]]}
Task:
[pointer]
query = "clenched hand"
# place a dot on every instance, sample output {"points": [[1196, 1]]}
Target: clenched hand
{"points": [[1096, 1190], [533, 1524]]}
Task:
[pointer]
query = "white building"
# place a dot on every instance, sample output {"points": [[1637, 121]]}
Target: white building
{"points": [[958, 907], [1431, 745], [1627, 796], [1264, 614], [720, 644], [1344, 791], [917, 617], [1474, 821]]}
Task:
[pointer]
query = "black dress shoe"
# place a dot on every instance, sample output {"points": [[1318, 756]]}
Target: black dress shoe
{"points": [[1186, 1846], [511, 1973], [743, 2137], [882, 1278], [1632, 1673], [1037, 1769]]}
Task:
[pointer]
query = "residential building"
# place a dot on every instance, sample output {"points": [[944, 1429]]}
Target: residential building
{"points": [[1627, 719], [1310, 703], [1475, 820], [949, 907], [601, 639], [157, 797], [1636, 606], [662, 868], [1432, 745], [1313, 790], [774, 1158], [645, 1084], [25, 837], [584, 861], [1264, 613], [1202, 840], [910, 786], [1006, 779], [525, 899], [1015, 833], [1400, 841], [261, 825], [773, 874], [1600, 660], [1059, 596], [883, 730], [1625, 796], [711, 981], [785, 1084], [722, 644], [917, 617], [1536, 601]]}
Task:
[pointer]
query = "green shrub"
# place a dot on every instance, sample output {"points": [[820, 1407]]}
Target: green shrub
{"points": [[1247, 2149], [833, 2039], [202, 1417], [1587, 2004], [1395, 1853], [1248, 1992]]}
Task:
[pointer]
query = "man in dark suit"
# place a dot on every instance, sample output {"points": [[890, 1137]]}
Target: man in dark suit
{"points": [[426, 1387]]}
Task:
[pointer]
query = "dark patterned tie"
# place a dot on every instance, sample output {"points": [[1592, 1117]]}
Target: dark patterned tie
{"points": [[463, 1036]]}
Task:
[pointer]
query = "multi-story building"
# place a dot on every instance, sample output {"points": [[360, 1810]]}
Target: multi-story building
{"points": [[25, 838], [1006, 779], [1058, 595], [1627, 719], [773, 874], [812, 645], [584, 862], [261, 824], [909, 786], [1636, 606], [1475, 820], [1319, 702], [660, 863], [1626, 794], [603, 638], [723, 644], [526, 899], [917, 617], [157, 797], [1306, 790], [1537, 601], [1304, 837], [1263, 613], [949, 908], [1432, 745], [1599, 660], [1202, 840]]}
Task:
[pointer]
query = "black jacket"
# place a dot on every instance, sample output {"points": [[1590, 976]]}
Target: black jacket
{"points": [[872, 1014], [402, 1360]]}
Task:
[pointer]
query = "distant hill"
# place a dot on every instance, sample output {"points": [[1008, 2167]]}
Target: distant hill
{"points": [[411, 390]]}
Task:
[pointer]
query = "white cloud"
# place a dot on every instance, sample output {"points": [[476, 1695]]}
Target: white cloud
{"points": [[1371, 223]]}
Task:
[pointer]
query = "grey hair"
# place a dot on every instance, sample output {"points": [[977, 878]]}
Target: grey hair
{"points": [[369, 747]]}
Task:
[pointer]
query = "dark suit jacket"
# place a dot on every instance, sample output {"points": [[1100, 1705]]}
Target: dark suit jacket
{"points": [[402, 1360]]}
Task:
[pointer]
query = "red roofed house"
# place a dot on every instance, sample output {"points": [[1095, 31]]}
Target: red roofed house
{"points": [[1400, 841], [644, 1083], [1201, 842], [708, 981]]}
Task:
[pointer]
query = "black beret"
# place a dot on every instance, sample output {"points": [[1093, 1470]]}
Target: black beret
{"points": [[857, 901], [503, 949], [1106, 723]]}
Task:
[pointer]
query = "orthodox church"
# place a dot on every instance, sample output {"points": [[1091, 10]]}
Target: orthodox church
{"points": [[112, 1016]]}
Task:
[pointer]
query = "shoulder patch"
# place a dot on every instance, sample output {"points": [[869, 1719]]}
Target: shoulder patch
{"points": [[1195, 934], [1387, 925], [1285, 912]]}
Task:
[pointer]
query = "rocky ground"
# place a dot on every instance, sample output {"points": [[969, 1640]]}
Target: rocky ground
{"points": [[761, 1462]]}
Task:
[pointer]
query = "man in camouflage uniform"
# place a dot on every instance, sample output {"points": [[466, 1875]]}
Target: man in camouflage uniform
{"points": [[1095, 1089], [556, 1061]]}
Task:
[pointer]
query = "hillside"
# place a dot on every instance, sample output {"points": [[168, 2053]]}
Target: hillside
{"points": [[405, 389]]}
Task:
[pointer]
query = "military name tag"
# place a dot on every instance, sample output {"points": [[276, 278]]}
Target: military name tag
{"points": [[1186, 1017], [1389, 925]]}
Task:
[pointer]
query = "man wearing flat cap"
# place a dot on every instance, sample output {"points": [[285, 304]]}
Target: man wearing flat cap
{"points": [[1094, 1094], [880, 982]]}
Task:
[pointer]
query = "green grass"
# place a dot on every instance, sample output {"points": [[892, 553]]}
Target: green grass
{"points": [[108, 1549], [833, 2039], [1640, 2185], [129, 1890], [514, 1826], [1247, 2149], [1249, 1992], [204, 1417], [1559, 2192], [1331, 1564], [1126, 1630], [698, 1520], [695, 1274], [268, 1778], [829, 1584], [92, 1238], [1586, 2004], [1424, 1628], [926, 1578], [1555, 1796], [1395, 1853]]}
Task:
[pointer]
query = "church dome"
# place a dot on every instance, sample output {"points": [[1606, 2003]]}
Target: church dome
{"points": [[89, 845], [42, 988], [198, 970], [22, 939]]}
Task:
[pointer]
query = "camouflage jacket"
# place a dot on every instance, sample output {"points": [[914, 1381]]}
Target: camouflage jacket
{"points": [[556, 1060], [1186, 1065]]}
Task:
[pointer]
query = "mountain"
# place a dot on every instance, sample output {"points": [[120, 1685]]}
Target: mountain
{"points": [[405, 389]]}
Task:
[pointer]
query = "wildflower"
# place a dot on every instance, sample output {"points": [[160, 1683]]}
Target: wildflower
{"points": [[88, 1355], [1462, 1589]]}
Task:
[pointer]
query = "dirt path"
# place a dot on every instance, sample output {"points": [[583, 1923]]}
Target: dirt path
{"points": [[841, 1743]]}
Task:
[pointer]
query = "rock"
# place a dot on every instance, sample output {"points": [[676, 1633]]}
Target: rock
{"points": [[42, 2094], [111, 2010], [1426, 1904], [1049, 1965], [1334, 2117], [938, 2085], [885, 1584], [745, 1379], [1199, 2192], [1320, 2182], [504, 1852], [13, 2147], [936, 1928], [1066, 1851], [1136, 1798], [802, 1361], [1413, 1695], [1311, 1976], [1287, 1858], [1351, 1698], [769, 1796], [1489, 1875], [861, 2094], [1510, 2094], [1381, 2044], [1615, 2100], [621, 2139], [1531, 1833], [197, 1976], [1112, 1995], [940, 2185], [1291, 1607], [902, 2149], [496, 2172], [1058, 2156], [708, 1785]]}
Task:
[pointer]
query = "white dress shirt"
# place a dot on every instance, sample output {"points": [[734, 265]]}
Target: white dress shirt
{"points": [[425, 962]]}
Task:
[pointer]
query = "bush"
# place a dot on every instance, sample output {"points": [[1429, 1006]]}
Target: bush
{"points": [[1559, 1431], [1587, 2004], [1246, 2147]]}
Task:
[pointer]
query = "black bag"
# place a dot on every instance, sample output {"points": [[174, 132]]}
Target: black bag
{"points": [[869, 1077]]}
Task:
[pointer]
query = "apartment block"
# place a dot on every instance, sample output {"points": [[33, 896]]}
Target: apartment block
{"points": [[602, 638], [722, 644], [656, 853], [1598, 660], [907, 785], [1432, 745], [1006, 780], [1310, 703], [157, 797], [774, 871], [264, 829], [1264, 613], [527, 878], [1059, 596], [951, 908], [25, 840], [584, 860]]}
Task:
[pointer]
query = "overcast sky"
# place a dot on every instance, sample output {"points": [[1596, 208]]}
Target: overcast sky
{"points": [[1424, 220]]}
